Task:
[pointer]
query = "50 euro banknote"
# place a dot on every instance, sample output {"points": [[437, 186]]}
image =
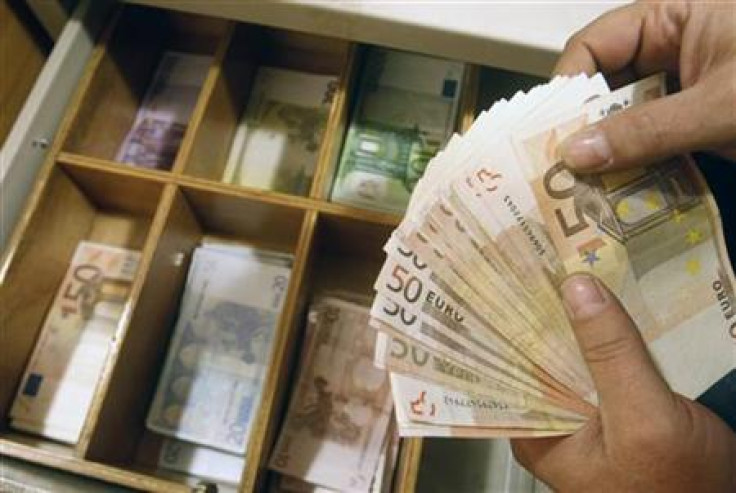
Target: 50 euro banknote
{"points": [[496, 224], [653, 235], [61, 377]]}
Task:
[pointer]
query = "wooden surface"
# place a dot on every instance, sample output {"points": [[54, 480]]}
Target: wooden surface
{"points": [[120, 411], [120, 82], [116, 89], [408, 465], [83, 194], [274, 385], [337, 120], [223, 96], [32, 276]]}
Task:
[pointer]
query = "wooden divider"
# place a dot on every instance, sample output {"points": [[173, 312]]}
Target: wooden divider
{"points": [[272, 398], [337, 123], [101, 431]]}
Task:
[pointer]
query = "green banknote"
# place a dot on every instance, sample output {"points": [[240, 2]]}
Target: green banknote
{"points": [[405, 112]]}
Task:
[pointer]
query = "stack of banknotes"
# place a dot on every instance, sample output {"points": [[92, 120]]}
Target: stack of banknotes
{"points": [[406, 110], [337, 435], [59, 382], [162, 118], [210, 387], [468, 307], [277, 142]]}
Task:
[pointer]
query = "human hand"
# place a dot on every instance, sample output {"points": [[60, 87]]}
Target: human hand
{"points": [[694, 41], [645, 438]]}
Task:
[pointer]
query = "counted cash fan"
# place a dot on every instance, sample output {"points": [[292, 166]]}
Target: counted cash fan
{"points": [[471, 321]]}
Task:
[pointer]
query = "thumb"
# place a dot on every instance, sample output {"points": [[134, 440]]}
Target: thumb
{"points": [[628, 383], [643, 134]]}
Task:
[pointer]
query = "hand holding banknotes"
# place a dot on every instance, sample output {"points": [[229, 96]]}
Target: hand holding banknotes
{"points": [[693, 41], [645, 437]]}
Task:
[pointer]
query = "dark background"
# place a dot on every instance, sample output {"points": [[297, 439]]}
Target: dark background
{"points": [[721, 176]]}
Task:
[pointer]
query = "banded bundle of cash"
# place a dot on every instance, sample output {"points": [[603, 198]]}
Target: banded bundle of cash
{"points": [[210, 387], [336, 436], [406, 110], [472, 324], [60, 379], [277, 142], [162, 119]]}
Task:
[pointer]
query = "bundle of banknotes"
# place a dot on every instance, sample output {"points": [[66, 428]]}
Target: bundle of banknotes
{"points": [[338, 434], [59, 382], [471, 322], [405, 111], [159, 126], [210, 387], [277, 142]]}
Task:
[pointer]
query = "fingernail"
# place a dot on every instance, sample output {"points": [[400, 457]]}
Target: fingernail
{"points": [[583, 296], [587, 150]]}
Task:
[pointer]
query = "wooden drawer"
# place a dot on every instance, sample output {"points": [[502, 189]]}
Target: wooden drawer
{"points": [[82, 193], [22, 476]]}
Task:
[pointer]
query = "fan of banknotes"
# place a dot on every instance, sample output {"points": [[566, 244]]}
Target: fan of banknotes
{"points": [[470, 319]]}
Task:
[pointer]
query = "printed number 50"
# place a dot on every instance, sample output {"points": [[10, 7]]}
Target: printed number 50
{"points": [[410, 287]]}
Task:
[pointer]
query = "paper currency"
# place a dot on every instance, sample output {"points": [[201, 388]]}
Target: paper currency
{"points": [[337, 422], [277, 143], [211, 383], [382, 477], [471, 320], [406, 110], [162, 119], [62, 374], [653, 236], [202, 462]]}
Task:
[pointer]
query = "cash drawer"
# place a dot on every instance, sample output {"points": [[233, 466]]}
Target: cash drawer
{"points": [[83, 193]]}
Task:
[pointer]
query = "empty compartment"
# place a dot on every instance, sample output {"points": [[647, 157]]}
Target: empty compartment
{"points": [[497, 83], [81, 307], [472, 465], [268, 122], [349, 254], [229, 323], [139, 102]]}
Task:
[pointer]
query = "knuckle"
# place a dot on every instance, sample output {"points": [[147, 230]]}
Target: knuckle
{"points": [[644, 130], [575, 41], [606, 351]]}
